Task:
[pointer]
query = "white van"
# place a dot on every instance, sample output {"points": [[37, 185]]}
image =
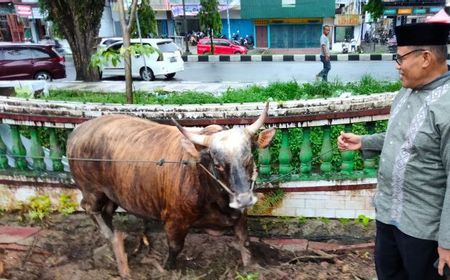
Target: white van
{"points": [[167, 61]]}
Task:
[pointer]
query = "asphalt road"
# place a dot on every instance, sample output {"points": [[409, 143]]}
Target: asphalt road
{"points": [[255, 72]]}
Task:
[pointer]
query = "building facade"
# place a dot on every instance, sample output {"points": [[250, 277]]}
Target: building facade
{"points": [[21, 20], [170, 18], [288, 23], [412, 11]]}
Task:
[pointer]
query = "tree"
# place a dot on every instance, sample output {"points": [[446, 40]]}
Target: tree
{"points": [[375, 8], [126, 29], [79, 22], [210, 18], [147, 20]]}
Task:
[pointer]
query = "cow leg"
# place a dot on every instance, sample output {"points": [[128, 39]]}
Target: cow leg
{"points": [[176, 232], [117, 242], [102, 209], [240, 230]]}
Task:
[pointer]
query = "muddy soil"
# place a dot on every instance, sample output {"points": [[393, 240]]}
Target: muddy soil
{"points": [[70, 247]]}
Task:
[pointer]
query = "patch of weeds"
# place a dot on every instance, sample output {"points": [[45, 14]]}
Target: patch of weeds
{"points": [[364, 220], [247, 276], [302, 220], [39, 207], [66, 205], [270, 201], [324, 220], [344, 221]]}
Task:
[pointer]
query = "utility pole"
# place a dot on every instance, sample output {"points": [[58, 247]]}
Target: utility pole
{"points": [[228, 20], [185, 30]]}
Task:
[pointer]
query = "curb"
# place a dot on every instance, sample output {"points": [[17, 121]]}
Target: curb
{"points": [[287, 57]]}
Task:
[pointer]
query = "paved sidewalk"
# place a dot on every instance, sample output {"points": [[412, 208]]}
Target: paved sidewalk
{"points": [[158, 86]]}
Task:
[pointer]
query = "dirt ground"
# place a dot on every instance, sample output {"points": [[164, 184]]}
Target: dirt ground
{"points": [[70, 247]]}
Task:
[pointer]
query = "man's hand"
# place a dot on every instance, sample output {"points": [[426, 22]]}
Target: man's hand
{"points": [[327, 58], [444, 258], [349, 141]]}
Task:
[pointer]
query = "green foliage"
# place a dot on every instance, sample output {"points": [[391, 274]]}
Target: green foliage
{"points": [[2, 211], [280, 91], [39, 207], [247, 276], [375, 8], [147, 21], [364, 220], [103, 55], [66, 204], [344, 221], [302, 220], [209, 18], [270, 201], [323, 220]]}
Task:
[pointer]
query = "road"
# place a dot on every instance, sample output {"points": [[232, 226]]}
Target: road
{"points": [[255, 72]]}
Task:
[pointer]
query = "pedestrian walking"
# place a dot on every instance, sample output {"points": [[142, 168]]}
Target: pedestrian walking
{"points": [[412, 201], [324, 54]]}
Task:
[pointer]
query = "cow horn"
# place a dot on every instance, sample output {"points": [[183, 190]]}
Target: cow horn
{"points": [[193, 137], [251, 129]]}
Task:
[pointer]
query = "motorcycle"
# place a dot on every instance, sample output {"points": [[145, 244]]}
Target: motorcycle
{"points": [[344, 47]]}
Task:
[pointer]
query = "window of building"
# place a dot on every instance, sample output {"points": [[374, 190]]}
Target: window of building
{"points": [[343, 33], [288, 3]]}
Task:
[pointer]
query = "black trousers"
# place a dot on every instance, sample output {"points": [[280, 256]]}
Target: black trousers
{"points": [[400, 256]]}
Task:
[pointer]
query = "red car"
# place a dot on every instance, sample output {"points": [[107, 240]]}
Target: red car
{"points": [[30, 61], [221, 46]]}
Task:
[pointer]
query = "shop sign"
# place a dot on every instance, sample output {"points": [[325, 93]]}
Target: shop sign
{"points": [[23, 10], [390, 12], [347, 20], [420, 11], [404, 11], [435, 9], [190, 9]]}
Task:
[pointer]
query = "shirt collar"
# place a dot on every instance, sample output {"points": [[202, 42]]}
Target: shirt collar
{"points": [[439, 81]]}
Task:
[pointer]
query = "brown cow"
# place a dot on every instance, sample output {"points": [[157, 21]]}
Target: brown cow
{"points": [[112, 160]]}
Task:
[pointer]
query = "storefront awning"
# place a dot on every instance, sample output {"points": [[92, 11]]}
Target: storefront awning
{"points": [[441, 16]]}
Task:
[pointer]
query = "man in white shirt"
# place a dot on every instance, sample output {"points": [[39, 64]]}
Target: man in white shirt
{"points": [[324, 54]]}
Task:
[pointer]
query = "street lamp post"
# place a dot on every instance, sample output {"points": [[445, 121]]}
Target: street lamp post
{"points": [[185, 30]]}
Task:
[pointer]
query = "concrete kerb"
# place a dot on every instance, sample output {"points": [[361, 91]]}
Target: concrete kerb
{"points": [[287, 57]]}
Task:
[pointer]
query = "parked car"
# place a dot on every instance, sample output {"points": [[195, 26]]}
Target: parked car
{"points": [[105, 42], [221, 46], [166, 60], [30, 61]]}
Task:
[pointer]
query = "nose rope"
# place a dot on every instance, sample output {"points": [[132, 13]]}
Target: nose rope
{"points": [[217, 180]]}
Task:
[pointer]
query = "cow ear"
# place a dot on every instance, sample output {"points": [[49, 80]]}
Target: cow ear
{"points": [[265, 137], [189, 147]]}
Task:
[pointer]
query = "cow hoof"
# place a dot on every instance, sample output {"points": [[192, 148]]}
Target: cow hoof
{"points": [[214, 232]]}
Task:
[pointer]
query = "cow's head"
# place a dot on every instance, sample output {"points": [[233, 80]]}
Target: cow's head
{"points": [[228, 157]]}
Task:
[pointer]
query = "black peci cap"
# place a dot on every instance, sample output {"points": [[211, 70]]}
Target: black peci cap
{"points": [[422, 34]]}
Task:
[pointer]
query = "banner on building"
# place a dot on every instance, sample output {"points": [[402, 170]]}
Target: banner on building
{"points": [[191, 9], [347, 20], [23, 10]]}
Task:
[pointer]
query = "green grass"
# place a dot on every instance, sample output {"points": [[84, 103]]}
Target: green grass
{"points": [[279, 91]]}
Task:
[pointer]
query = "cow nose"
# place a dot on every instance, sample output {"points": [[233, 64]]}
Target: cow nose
{"points": [[243, 200]]}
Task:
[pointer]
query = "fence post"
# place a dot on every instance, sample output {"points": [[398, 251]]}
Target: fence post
{"points": [[306, 154], [18, 150]]}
